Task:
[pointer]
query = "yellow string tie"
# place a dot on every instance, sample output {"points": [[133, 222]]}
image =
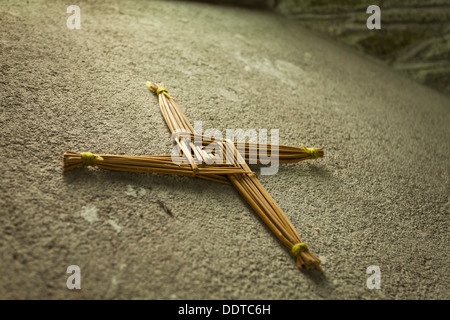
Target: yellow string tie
{"points": [[88, 158], [299, 247], [313, 152], [159, 90], [164, 91]]}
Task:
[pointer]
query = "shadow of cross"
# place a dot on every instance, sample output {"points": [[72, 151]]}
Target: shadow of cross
{"points": [[226, 165]]}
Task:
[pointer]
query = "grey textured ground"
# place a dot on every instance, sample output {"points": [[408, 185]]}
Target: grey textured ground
{"points": [[379, 197]]}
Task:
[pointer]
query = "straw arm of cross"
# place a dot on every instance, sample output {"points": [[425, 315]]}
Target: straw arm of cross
{"points": [[233, 170]]}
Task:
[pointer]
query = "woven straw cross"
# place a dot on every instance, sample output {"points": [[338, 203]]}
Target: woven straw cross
{"points": [[198, 163]]}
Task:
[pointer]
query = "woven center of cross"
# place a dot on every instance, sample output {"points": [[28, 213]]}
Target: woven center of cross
{"points": [[198, 163]]}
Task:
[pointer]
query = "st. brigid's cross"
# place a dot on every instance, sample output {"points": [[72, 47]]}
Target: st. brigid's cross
{"points": [[219, 160]]}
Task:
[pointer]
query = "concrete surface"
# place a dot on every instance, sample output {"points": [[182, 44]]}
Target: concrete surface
{"points": [[379, 197]]}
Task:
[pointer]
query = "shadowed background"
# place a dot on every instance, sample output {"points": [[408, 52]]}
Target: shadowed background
{"points": [[414, 37]]}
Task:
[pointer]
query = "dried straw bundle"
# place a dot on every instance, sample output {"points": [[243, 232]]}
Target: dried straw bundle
{"points": [[286, 154], [150, 164], [247, 183]]}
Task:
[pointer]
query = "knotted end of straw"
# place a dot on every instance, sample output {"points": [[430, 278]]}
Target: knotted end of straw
{"points": [[158, 91], [88, 158], [299, 247], [313, 152]]}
